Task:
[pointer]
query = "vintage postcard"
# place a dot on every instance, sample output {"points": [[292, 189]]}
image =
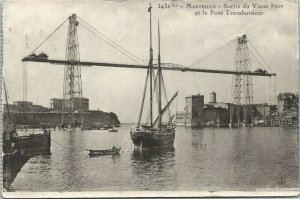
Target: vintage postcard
{"points": [[128, 98]]}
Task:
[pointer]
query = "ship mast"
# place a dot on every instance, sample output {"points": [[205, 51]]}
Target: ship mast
{"points": [[7, 105], [159, 81], [151, 68]]}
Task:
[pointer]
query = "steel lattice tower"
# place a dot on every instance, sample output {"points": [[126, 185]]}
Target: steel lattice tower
{"points": [[242, 64], [247, 80], [72, 74]]}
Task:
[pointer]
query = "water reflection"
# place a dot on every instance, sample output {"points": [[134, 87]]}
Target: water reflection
{"points": [[153, 169], [72, 166], [115, 157], [210, 159], [198, 141]]}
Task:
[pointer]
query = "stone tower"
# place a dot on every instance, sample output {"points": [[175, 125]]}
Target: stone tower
{"points": [[194, 110]]}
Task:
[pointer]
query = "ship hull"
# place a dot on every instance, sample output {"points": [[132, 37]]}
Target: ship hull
{"points": [[153, 139], [36, 144], [19, 150]]}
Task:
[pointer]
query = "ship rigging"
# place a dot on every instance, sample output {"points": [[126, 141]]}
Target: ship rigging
{"points": [[154, 133]]}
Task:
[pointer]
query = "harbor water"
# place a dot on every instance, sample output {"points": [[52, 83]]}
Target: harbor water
{"points": [[208, 159]]}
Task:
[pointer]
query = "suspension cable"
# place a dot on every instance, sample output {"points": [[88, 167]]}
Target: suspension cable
{"points": [[226, 44], [49, 36], [259, 55], [252, 53], [114, 46], [110, 41]]}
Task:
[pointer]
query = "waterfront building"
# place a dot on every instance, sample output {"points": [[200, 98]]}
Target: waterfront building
{"points": [[287, 102], [199, 114], [25, 106], [217, 113], [287, 109], [59, 105], [216, 116], [262, 113], [56, 104], [194, 110]]}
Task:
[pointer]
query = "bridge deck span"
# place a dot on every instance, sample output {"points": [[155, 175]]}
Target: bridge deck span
{"points": [[172, 68]]}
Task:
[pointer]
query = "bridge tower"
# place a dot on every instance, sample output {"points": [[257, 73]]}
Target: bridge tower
{"points": [[242, 84], [72, 89]]}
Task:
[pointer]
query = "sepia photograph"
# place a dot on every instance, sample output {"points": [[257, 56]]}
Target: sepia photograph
{"points": [[160, 98]]}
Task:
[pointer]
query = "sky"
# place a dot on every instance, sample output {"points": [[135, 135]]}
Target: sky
{"points": [[185, 38]]}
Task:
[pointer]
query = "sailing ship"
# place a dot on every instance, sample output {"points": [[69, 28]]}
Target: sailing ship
{"points": [[154, 133]]}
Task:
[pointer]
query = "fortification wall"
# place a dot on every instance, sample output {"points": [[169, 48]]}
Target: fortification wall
{"points": [[35, 119]]}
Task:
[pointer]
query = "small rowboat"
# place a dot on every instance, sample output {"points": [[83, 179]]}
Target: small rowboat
{"points": [[113, 151]]}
